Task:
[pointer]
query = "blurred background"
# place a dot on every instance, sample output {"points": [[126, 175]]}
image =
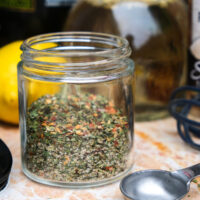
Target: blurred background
{"points": [[163, 35]]}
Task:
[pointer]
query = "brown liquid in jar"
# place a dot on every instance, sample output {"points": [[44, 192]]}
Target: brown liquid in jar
{"points": [[156, 31]]}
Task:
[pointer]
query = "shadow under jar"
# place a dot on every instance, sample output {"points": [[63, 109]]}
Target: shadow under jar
{"points": [[76, 108]]}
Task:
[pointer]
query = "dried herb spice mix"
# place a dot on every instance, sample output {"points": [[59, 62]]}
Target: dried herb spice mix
{"points": [[79, 138]]}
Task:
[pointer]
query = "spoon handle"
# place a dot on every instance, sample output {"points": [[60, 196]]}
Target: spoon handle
{"points": [[189, 173]]}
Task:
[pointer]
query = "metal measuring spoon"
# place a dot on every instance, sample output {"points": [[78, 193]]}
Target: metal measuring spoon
{"points": [[158, 184]]}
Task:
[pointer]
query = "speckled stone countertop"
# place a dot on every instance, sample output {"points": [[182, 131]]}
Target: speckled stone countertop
{"points": [[157, 146]]}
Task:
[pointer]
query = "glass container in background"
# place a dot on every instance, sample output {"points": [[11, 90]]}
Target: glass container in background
{"points": [[25, 18], [194, 51], [77, 132], [194, 43], [156, 31]]}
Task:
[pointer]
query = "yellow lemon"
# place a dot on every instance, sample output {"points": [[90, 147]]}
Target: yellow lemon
{"points": [[9, 58], [37, 88]]}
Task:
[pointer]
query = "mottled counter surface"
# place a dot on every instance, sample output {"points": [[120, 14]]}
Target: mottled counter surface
{"points": [[157, 146]]}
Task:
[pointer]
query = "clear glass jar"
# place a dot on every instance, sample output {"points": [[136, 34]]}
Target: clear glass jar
{"points": [[76, 108], [156, 31]]}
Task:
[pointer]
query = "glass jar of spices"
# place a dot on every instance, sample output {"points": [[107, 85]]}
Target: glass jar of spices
{"points": [[78, 130]]}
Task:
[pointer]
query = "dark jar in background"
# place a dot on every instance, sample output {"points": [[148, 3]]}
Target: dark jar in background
{"points": [[194, 43], [25, 18], [156, 31], [76, 132]]}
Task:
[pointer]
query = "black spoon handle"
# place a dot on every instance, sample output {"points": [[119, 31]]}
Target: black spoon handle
{"points": [[188, 173]]}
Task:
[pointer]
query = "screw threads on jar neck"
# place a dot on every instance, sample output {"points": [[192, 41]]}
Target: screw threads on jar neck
{"points": [[81, 51]]}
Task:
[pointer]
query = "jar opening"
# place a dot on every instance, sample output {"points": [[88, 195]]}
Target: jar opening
{"points": [[74, 49]]}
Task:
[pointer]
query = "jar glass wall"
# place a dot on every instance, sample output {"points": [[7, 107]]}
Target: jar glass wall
{"points": [[76, 108]]}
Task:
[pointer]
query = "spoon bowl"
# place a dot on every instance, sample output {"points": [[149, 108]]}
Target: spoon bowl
{"points": [[158, 184]]}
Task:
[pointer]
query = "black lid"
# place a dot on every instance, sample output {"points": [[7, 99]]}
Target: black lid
{"points": [[5, 164]]}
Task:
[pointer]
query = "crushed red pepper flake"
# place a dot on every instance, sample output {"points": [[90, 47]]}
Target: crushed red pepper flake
{"points": [[109, 168], [53, 118], [116, 143], [91, 125]]}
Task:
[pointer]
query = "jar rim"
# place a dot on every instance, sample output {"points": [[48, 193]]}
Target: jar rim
{"points": [[116, 48]]}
